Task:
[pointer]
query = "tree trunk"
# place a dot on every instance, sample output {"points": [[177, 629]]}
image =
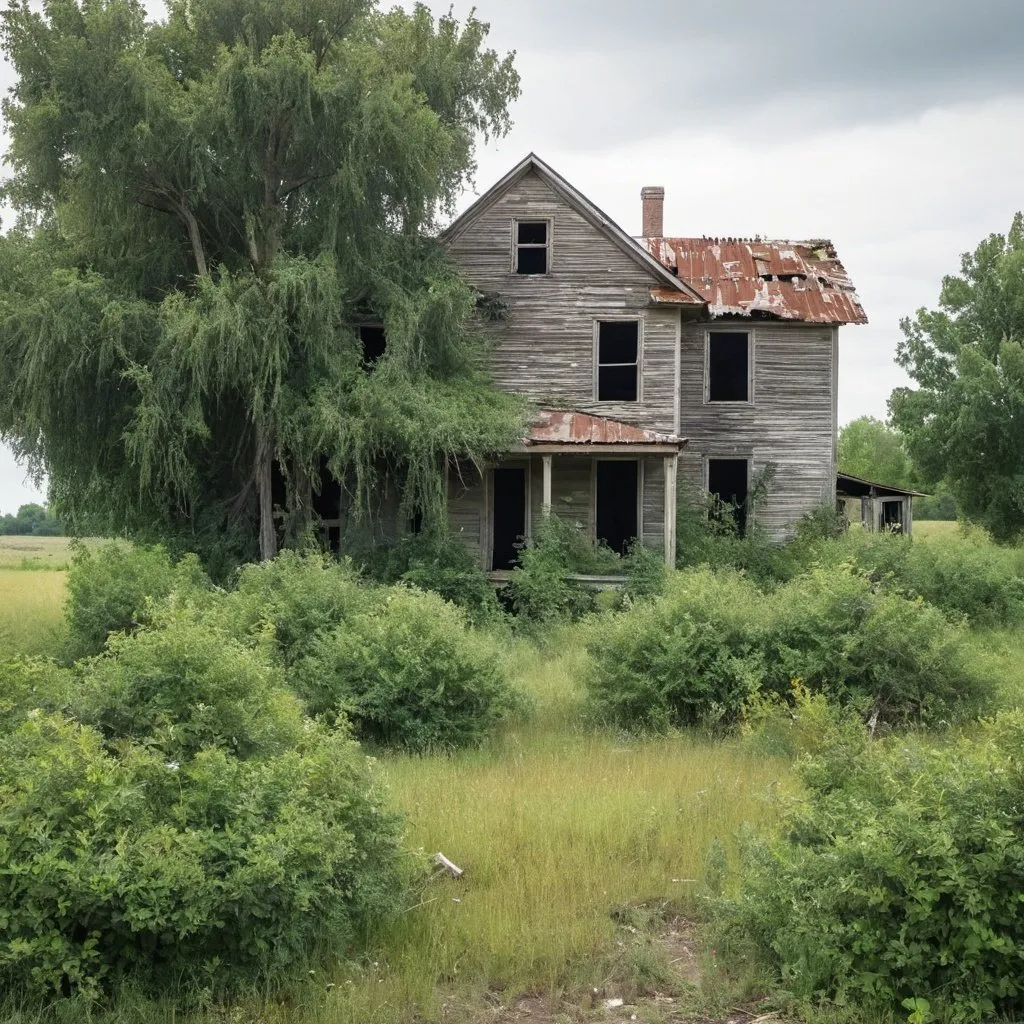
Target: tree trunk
{"points": [[264, 485]]}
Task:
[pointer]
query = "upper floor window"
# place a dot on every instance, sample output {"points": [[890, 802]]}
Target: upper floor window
{"points": [[532, 246], [728, 363], [618, 360]]}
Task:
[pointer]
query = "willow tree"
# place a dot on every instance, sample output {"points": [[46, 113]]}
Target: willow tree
{"points": [[208, 207]]}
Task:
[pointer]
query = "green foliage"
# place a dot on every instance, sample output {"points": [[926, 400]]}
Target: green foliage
{"points": [[209, 207], [184, 687], [873, 450], [208, 874], [116, 588], [539, 587], [968, 576], [689, 657], [410, 673], [697, 653], [297, 597], [898, 879], [436, 560], [963, 421], [939, 506], [841, 635], [31, 521]]}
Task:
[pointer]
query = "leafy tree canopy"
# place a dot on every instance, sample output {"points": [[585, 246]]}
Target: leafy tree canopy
{"points": [[209, 206], [872, 450], [31, 520], [965, 420]]}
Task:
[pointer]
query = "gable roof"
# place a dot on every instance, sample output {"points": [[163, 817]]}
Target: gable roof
{"points": [[589, 212], [742, 277]]}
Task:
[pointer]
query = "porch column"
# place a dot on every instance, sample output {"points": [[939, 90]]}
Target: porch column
{"points": [[546, 493], [671, 468]]}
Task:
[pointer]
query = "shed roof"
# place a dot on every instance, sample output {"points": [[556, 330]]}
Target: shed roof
{"points": [[567, 427], [746, 277], [855, 487]]}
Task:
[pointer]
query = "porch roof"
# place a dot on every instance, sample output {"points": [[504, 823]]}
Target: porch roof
{"points": [[568, 430], [856, 487]]}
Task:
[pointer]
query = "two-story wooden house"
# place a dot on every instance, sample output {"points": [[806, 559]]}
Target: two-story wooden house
{"points": [[659, 364]]}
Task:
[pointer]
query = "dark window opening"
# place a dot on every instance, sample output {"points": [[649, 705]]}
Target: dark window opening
{"points": [[892, 516], [729, 366], [532, 247], [374, 343], [618, 361], [327, 506], [727, 481], [509, 516], [617, 503]]}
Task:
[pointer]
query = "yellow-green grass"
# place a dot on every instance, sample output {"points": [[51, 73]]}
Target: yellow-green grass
{"points": [[31, 609], [938, 529], [37, 552]]}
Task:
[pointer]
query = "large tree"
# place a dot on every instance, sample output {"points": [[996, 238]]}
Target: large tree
{"points": [[965, 420], [209, 207], [872, 450]]}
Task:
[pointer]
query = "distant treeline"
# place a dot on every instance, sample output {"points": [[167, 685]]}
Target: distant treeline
{"points": [[31, 521]]}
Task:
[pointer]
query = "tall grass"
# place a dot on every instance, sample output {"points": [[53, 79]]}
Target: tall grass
{"points": [[31, 607]]}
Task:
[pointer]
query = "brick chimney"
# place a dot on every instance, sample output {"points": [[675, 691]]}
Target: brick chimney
{"points": [[653, 198]]}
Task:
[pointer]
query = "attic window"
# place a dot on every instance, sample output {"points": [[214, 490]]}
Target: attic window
{"points": [[532, 249], [728, 366], [618, 360], [374, 343]]}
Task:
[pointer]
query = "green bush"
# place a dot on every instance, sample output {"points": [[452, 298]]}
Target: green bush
{"points": [[123, 867], [409, 672], [689, 657], [184, 687], [437, 561], [899, 879], [298, 595], [539, 587], [839, 634], [117, 587]]}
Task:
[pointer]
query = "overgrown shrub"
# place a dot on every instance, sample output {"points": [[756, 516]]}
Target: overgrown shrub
{"points": [[899, 879], [838, 633], [689, 657], [184, 687], [116, 588], [208, 874], [298, 595], [539, 587], [437, 561], [408, 672]]}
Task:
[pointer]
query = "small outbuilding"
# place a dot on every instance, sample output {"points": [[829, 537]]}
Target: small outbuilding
{"points": [[877, 507]]}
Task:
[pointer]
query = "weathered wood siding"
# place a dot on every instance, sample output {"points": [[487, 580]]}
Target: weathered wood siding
{"points": [[791, 421], [544, 348]]}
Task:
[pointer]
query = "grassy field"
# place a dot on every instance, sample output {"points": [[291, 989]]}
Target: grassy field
{"points": [[587, 856], [37, 552]]}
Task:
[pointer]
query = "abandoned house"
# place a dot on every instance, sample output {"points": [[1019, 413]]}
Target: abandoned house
{"points": [[876, 507], [654, 361]]}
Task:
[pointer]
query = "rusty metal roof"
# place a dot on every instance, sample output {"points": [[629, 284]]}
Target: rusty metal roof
{"points": [[750, 276], [566, 426]]}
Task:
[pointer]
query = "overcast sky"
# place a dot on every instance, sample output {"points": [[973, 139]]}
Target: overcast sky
{"points": [[893, 128]]}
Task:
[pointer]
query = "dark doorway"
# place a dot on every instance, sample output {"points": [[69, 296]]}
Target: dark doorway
{"points": [[509, 516], [892, 515], [617, 493], [727, 480]]}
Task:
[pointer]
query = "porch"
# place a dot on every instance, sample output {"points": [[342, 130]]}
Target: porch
{"points": [[614, 481], [877, 507]]}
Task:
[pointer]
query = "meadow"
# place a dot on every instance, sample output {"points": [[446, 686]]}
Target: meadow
{"points": [[588, 854]]}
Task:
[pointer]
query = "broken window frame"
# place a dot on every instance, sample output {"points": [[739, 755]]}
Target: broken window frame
{"points": [[639, 363], [640, 484], [751, 348], [517, 245]]}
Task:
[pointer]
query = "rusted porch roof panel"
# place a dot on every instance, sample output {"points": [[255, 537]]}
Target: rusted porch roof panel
{"points": [[802, 281], [568, 427]]}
